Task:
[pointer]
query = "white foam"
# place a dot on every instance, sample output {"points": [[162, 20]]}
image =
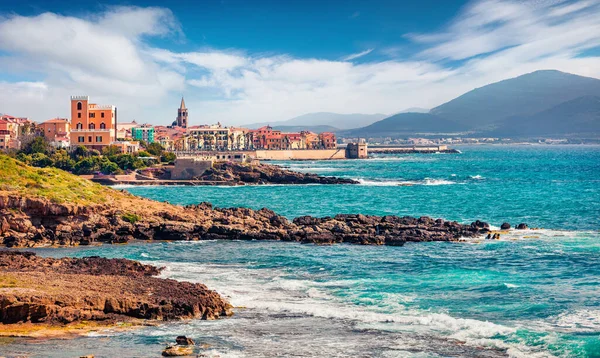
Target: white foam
{"points": [[426, 181], [429, 181], [273, 291], [476, 177]]}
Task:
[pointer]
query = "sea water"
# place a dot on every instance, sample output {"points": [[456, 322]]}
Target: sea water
{"points": [[534, 293]]}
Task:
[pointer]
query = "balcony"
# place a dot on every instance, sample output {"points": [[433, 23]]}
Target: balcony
{"points": [[91, 130]]}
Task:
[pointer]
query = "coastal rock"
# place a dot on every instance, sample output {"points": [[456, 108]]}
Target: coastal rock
{"points": [[522, 226], [177, 351], [505, 226], [263, 173], [184, 341], [60, 291]]}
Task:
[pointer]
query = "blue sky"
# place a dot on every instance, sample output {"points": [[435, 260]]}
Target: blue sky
{"points": [[253, 61]]}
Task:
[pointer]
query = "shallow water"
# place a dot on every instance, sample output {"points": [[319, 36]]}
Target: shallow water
{"points": [[533, 293]]}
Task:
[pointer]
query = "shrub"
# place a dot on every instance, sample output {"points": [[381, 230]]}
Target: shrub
{"points": [[155, 149], [24, 158], [37, 145], [143, 153], [131, 218], [108, 167], [41, 160], [87, 166], [62, 160], [168, 157]]}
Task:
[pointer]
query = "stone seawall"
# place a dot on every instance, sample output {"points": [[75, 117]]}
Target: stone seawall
{"points": [[301, 154]]}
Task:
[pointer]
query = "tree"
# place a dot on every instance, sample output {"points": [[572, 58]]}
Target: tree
{"points": [[155, 149], [143, 153], [62, 160], [108, 167], [87, 166], [37, 145], [41, 160], [168, 157], [111, 150], [80, 152]]}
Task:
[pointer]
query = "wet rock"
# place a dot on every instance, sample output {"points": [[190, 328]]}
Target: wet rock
{"points": [[522, 226], [177, 351], [505, 226], [184, 341]]}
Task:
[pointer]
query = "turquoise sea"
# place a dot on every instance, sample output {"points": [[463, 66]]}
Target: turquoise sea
{"points": [[534, 293]]}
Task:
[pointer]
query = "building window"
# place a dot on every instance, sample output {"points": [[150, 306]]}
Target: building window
{"points": [[78, 115], [80, 139], [92, 126], [90, 139], [79, 126], [92, 115], [79, 106], [102, 125], [98, 139], [102, 114]]}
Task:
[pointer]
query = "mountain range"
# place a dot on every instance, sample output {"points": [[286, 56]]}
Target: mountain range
{"points": [[541, 103], [335, 121]]}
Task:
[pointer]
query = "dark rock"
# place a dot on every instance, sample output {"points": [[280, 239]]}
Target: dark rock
{"points": [[522, 226], [505, 226], [184, 341]]}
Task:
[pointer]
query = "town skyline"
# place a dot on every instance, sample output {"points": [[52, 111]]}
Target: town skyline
{"points": [[144, 57]]}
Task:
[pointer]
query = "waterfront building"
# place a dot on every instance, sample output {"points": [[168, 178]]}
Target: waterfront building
{"points": [[327, 140], [92, 125], [57, 132], [144, 132], [208, 137], [292, 141], [311, 140]]}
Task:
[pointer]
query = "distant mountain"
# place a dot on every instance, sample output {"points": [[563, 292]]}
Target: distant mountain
{"points": [[336, 120], [415, 110], [580, 116], [405, 124], [525, 95], [316, 129]]}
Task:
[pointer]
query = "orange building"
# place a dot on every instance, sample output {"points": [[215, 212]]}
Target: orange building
{"points": [[56, 130], [327, 140], [92, 125]]}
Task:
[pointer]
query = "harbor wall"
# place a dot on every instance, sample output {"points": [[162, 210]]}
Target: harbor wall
{"points": [[301, 154]]}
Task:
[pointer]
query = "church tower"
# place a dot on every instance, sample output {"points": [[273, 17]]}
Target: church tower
{"points": [[182, 115]]}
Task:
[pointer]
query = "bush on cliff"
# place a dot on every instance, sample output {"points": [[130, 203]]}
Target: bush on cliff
{"points": [[41, 160]]}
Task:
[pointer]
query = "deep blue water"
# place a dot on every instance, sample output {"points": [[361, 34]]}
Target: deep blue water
{"points": [[552, 187], [533, 293]]}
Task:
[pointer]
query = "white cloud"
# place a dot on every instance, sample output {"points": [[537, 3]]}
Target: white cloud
{"points": [[101, 55], [357, 55], [108, 57]]}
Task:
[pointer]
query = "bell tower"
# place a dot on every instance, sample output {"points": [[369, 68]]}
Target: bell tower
{"points": [[182, 115]]}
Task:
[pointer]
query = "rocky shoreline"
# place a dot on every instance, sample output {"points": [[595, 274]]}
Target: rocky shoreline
{"points": [[265, 174], [230, 173], [35, 222], [62, 291]]}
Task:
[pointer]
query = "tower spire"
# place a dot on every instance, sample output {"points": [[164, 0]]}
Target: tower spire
{"points": [[182, 104]]}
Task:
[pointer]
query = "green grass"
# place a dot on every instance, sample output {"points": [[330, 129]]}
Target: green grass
{"points": [[131, 218], [50, 183]]}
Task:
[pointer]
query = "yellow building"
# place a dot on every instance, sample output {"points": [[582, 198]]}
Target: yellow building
{"points": [[92, 125]]}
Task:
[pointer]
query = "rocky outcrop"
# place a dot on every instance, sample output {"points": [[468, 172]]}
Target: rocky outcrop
{"points": [[33, 224], [264, 174], [60, 291], [505, 226]]}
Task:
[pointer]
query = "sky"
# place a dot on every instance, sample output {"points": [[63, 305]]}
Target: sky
{"points": [[239, 62]]}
